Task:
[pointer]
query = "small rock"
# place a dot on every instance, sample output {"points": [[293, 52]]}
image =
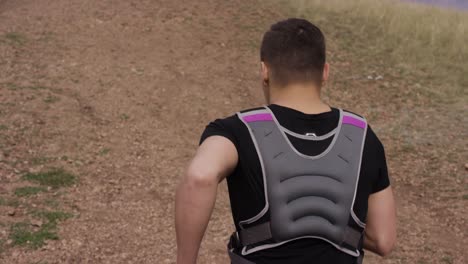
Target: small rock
{"points": [[33, 170], [370, 77], [77, 242], [36, 223], [380, 77], [466, 166], [113, 181], [9, 242], [12, 212]]}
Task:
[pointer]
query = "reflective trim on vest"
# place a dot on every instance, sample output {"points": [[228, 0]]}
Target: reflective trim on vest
{"points": [[308, 196]]}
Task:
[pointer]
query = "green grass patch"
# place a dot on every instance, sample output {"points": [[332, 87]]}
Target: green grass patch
{"points": [[52, 203], [3, 127], [36, 87], [56, 216], [15, 87], [54, 178], [2, 245], [104, 151], [22, 234], [15, 38], [29, 190], [9, 202], [40, 160], [51, 99], [12, 86], [124, 116], [13, 203], [52, 216], [447, 259], [465, 197]]}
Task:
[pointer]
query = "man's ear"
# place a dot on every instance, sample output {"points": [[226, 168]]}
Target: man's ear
{"points": [[265, 73], [326, 72]]}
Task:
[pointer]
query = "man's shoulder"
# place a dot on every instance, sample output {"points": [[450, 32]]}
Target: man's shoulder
{"points": [[371, 136], [252, 109], [233, 119], [229, 126], [354, 113]]}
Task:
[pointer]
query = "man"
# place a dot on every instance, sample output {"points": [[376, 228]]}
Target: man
{"points": [[308, 183]]}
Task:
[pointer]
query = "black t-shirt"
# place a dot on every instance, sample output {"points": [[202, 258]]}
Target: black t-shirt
{"points": [[245, 184]]}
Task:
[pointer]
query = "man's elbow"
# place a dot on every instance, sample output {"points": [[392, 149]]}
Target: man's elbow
{"points": [[385, 245], [200, 178]]}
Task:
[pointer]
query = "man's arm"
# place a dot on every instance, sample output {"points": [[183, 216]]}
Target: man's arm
{"points": [[380, 234], [196, 194]]}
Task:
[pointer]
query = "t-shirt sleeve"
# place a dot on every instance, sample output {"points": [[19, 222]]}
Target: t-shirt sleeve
{"points": [[219, 127], [382, 181]]}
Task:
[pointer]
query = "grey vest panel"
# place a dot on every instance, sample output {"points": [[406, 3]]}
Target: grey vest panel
{"points": [[308, 196]]}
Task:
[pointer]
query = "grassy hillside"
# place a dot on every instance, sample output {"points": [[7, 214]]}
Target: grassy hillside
{"points": [[421, 41]]}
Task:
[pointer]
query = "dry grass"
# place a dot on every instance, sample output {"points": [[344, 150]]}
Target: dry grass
{"points": [[423, 40]]}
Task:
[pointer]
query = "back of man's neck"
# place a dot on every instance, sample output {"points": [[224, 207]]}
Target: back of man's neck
{"points": [[303, 99], [310, 108]]}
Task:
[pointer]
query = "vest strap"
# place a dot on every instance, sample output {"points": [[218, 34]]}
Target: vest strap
{"points": [[262, 232], [233, 244], [360, 258], [352, 237], [237, 259], [255, 234]]}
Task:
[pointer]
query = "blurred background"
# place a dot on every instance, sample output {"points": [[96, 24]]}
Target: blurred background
{"points": [[102, 104], [458, 4]]}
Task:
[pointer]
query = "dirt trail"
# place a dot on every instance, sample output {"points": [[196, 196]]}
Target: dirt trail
{"points": [[123, 89], [138, 79]]}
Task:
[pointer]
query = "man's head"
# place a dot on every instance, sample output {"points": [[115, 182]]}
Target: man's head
{"points": [[293, 52]]}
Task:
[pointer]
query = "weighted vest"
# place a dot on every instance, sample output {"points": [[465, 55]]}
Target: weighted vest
{"points": [[306, 196]]}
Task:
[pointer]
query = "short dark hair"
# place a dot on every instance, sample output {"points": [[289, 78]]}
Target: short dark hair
{"points": [[294, 51]]}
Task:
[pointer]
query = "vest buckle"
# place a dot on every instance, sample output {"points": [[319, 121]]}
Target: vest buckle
{"points": [[234, 241]]}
